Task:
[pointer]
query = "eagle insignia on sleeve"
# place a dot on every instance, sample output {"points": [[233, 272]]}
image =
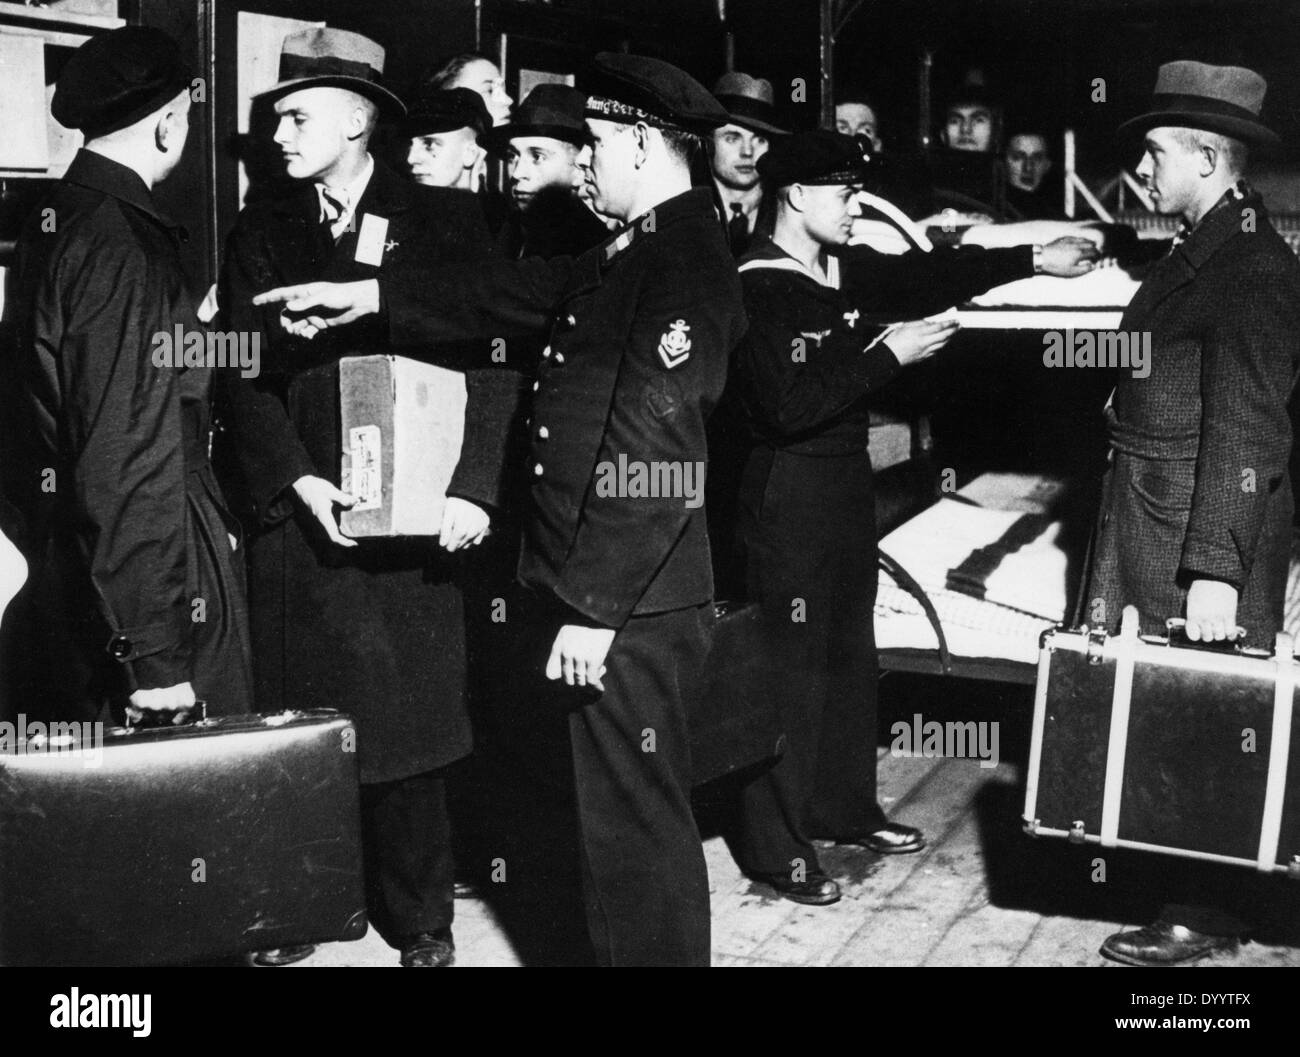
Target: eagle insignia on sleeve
{"points": [[674, 344]]}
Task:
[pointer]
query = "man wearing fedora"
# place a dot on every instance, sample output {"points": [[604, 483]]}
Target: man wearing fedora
{"points": [[132, 527], [540, 145], [376, 629], [641, 328], [1179, 533], [734, 151]]}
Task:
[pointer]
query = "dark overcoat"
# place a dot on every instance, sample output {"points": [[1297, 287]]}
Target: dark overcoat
{"points": [[135, 583], [377, 630], [1198, 486]]}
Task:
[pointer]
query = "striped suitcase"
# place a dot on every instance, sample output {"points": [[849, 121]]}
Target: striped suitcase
{"points": [[1182, 749]]}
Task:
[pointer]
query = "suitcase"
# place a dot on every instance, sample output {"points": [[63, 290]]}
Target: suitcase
{"points": [[181, 844], [1182, 749], [402, 426], [735, 723]]}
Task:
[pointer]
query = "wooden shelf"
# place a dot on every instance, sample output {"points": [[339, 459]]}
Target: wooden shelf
{"points": [[52, 18]]}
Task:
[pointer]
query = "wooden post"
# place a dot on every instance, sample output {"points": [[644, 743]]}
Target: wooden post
{"points": [[828, 63]]}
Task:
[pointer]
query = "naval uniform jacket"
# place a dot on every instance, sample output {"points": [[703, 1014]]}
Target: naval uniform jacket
{"points": [[1199, 486], [814, 405], [642, 327], [376, 630], [132, 529]]}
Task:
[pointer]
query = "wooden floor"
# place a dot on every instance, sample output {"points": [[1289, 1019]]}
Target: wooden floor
{"points": [[981, 894]]}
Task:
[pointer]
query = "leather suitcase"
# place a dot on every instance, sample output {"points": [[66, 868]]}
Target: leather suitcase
{"points": [[184, 843], [735, 723], [1180, 749]]}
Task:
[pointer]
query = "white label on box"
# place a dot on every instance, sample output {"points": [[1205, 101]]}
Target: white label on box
{"points": [[367, 482]]}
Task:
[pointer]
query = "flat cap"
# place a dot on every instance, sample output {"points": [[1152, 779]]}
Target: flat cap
{"points": [[117, 78], [632, 88], [445, 109], [818, 157]]}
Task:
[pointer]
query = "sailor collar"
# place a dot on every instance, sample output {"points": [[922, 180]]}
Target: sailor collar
{"points": [[772, 257]]}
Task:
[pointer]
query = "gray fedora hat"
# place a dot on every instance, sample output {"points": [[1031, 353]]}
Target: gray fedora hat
{"points": [[749, 102], [1224, 99], [334, 58]]}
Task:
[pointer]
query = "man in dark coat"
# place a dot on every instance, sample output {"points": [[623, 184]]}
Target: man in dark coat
{"points": [[619, 565], [1197, 506], [540, 145], [138, 584], [734, 152], [803, 373], [375, 630]]}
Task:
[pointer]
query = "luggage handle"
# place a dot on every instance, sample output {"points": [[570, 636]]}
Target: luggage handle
{"points": [[154, 718], [1176, 635]]}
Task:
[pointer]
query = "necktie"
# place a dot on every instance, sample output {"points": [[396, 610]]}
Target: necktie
{"points": [[737, 230], [335, 203]]}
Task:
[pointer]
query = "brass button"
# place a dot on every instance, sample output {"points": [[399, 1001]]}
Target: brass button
{"points": [[536, 386], [537, 469], [546, 353], [559, 359], [543, 433]]}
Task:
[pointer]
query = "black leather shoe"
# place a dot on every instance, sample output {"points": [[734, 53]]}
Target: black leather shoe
{"points": [[816, 889], [1164, 944], [429, 950], [284, 955], [894, 839]]}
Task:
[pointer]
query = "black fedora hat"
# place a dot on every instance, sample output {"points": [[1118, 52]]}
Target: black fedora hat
{"points": [[445, 109], [555, 111], [749, 102], [1223, 99], [334, 58]]}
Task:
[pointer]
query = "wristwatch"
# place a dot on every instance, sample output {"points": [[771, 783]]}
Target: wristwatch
{"points": [[1038, 258]]}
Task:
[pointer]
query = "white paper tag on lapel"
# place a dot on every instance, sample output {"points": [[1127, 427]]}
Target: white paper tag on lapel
{"points": [[371, 239]]}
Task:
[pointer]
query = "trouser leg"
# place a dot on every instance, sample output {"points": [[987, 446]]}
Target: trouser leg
{"points": [[409, 865], [644, 879]]}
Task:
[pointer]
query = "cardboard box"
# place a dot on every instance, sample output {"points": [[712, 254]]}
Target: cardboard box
{"points": [[403, 422]]}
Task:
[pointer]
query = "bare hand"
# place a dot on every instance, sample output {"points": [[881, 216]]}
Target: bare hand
{"points": [[312, 307], [464, 524], [1211, 611], [161, 699], [1069, 256], [320, 497], [920, 339], [579, 654]]}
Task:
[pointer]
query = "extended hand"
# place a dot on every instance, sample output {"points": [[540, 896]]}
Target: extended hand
{"points": [[463, 524], [920, 339], [161, 699], [579, 653], [1069, 256], [1211, 611], [312, 307], [320, 497]]}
